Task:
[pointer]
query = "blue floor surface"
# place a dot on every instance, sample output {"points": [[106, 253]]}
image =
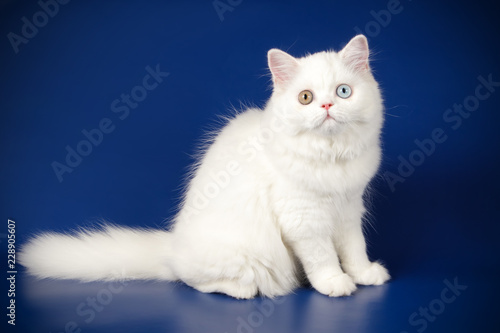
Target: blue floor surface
{"points": [[415, 303]]}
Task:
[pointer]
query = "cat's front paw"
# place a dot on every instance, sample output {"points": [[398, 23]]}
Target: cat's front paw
{"points": [[336, 286], [375, 274]]}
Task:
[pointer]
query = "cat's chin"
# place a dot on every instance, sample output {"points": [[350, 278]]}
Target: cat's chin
{"points": [[329, 127]]}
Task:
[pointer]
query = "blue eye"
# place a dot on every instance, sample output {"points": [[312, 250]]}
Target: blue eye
{"points": [[344, 91]]}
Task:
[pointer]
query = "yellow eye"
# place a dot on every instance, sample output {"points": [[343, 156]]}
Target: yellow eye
{"points": [[305, 97]]}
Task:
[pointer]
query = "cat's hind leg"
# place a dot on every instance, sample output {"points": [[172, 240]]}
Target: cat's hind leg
{"points": [[232, 288]]}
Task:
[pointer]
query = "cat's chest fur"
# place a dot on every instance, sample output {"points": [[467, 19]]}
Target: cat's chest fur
{"points": [[313, 188], [323, 167]]}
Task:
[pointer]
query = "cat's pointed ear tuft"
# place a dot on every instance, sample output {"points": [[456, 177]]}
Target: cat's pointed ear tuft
{"points": [[282, 65], [356, 53]]}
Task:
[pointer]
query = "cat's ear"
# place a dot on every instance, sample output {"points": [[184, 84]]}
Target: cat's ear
{"points": [[356, 53], [282, 65]]}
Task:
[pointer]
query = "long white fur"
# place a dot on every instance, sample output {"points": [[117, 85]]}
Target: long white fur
{"points": [[276, 197]]}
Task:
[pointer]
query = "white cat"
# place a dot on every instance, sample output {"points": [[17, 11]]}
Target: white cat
{"points": [[276, 196]]}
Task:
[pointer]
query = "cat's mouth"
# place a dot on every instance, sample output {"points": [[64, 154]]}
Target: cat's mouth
{"points": [[330, 122], [330, 119]]}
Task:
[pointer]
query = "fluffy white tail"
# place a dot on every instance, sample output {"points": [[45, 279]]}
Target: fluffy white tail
{"points": [[108, 254]]}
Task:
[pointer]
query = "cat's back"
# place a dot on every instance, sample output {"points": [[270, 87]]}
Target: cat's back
{"points": [[230, 170], [233, 150], [239, 140], [242, 128]]}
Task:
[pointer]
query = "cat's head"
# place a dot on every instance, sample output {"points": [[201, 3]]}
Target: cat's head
{"points": [[327, 92]]}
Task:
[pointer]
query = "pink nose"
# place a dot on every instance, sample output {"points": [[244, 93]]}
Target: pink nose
{"points": [[326, 106]]}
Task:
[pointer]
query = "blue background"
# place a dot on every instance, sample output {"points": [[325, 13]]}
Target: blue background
{"points": [[440, 224]]}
